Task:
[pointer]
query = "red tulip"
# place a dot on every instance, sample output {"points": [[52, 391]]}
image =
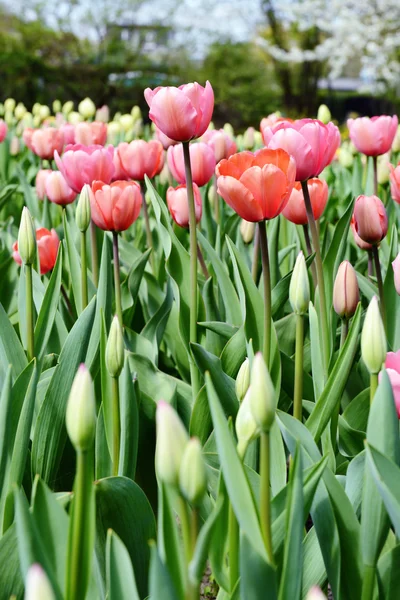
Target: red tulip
{"points": [[392, 366], [116, 206], [58, 190], [257, 186], [295, 209], [373, 136], [27, 137], [40, 182], [395, 182], [91, 133], [140, 158], [47, 244], [202, 162], [396, 273], [221, 143], [311, 143], [182, 113], [85, 164], [178, 206], [3, 130], [44, 142], [370, 219]]}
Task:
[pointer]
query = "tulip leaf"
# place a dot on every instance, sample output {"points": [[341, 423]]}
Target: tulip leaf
{"points": [[11, 350], [392, 298], [5, 421], [12, 584], [74, 265], [386, 475], [160, 582], [257, 575], [121, 584], [129, 407]]}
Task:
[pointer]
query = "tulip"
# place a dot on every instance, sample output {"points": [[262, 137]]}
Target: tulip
{"points": [[27, 238], [41, 177], [182, 113], [136, 113], [67, 107], [116, 206], [315, 593], [171, 442], [245, 425], [85, 164], [272, 119], [140, 158], [370, 219], [47, 246], [56, 106], [360, 243], [392, 366], [27, 137], [346, 295], [119, 172], [87, 108], [243, 380], [80, 417], [103, 114], [44, 142], [127, 122], [396, 141], [373, 136], [263, 395], [249, 138], [74, 118], [324, 114], [383, 169], [394, 178], [202, 161], [115, 349], [178, 206], [164, 139], [311, 143], [373, 338], [396, 273], [299, 289], [14, 146], [3, 130], [37, 585], [295, 210], [58, 190], [88, 134], [9, 104], [257, 186], [221, 143], [345, 157], [247, 229], [192, 473], [68, 132]]}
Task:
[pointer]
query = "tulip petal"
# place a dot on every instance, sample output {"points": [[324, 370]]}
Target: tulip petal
{"points": [[268, 186], [173, 113], [239, 198]]}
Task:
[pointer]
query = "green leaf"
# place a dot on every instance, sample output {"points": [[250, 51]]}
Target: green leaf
{"points": [[11, 350], [129, 407], [314, 572], [121, 584], [103, 459], [5, 418], [74, 265], [392, 298], [130, 286], [169, 543], [316, 354], [160, 581], [12, 584], [257, 575], [386, 475]]}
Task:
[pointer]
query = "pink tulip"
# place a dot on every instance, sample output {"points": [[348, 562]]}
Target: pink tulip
{"points": [[116, 206], [346, 294], [395, 182], [396, 273], [373, 136], [360, 243], [47, 245], [295, 209], [119, 172], [58, 190], [311, 143], [3, 130], [91, 133], [182, 113], [140, 158], [45, 142], [40, 182], [85, 164], [272, 120], [178, 206], [370, 219], [164, 139], [202, 161], [221, 143], [392, 366], [27, 137], [103, 114], [68, 131]]}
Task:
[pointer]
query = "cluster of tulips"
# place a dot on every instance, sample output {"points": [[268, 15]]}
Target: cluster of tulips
{"points": [[220, 380]]}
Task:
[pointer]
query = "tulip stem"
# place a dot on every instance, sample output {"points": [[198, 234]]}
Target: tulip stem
{"points": [[298, 373], [149, 235], [116, 424], [320, 277], [29, 312], [344, 331], [375, 160], [335, 415], [373, 386], [84, 270], [233, 548], [309, 252], [375, 254], [194, 373], [202, 263], [217, 201], [368, 582], [95, 254], [265, 499], [370, 264], [256, 254], [117, 279], [267, 291]]}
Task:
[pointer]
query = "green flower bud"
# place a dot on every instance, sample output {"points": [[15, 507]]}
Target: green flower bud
{"points": [[68, 107], [126, 121], [37, 585], [247, 229], [56, 106], [35, 108], [9, 104], [136, 113], [299, 289], [44, 112], [19, 111], [345, 157], [243, 380], [258, 140], [212, 195], [192, 473], [324, 114], [115, 350], [396, 141], [172, 439], [262, 396], [373, 338], [83, 212], [248, 138], [81, 411], [27, 238], [229, 130], [74, 118], [245, 425], [87, 108]]}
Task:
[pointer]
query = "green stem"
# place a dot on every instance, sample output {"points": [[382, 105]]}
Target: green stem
{"points": [[77, 577], [202, 263], [29, 312], [149, 235], [95, 254], [194, 528], [373, 386], [117, 279], [370, 264], [265, 501], [84, 270], [216, 203], [309, 252], [320, 278], [368, 582], [116, 421], [185, 528], [298, 369], [335, 415], [256, 255], [378, 271], [375, 160], [267, 291], [344, 331], [194, 373], [233, 548]]}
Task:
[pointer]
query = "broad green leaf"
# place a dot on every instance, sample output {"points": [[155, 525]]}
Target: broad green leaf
{"points": [[129, 413], [130, 287], [5, 418], [103, 463], [12, 584], [314, 572], [74, 264], [316, 354], [278, 464], [257, 576], [386, 475], [169, 542], [389, 574], [121, 584], [11, 350], [160, 581]]}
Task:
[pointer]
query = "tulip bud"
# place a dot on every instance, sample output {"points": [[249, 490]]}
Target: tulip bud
{"points": [[229, 130], [56, 106], [68, 107], [103, 114], [243, 380], [383, 170], [19, 111], [345, 157], [245, 425], [83, 213], [263, 396], [115, 349], [212, 195], [373, 338], [44, 112], [396, 141], [9, 117], [14, 146], [37, 585], [324, 114], [87, 108], [192, 473], [81, 411], [136, 113], [370, 219], [172, 439], [258, 141], [247, 229], [248, 138], [74, 118], [299, 289], [346, 294], [126, 122], [9, 105], [396, 273], [315, 593], [27, 238]]}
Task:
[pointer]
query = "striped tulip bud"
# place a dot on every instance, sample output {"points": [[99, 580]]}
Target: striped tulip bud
{"points": [[81, 411], [192, 473], [373, 338], [27, 238], [263, 395], [115, 349], [346, 294], [299, 289]]}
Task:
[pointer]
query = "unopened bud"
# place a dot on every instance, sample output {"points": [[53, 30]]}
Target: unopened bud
{"points": [[19, 111], [171, 442], [247, 229], [56, 106], [212, 195], [243, 380], [229, 130], [299, 289], [263, 396], [245, 425], [346, 294], [37, 585], [345, 157], [324, 114], [87, 108], [68, 107], [44, 112], [74, 117], [27, 238], [9, 104], [373, 338], [383, 171], [81, 411], [115, 349], [136, 113], [83, 212], [315, 593], [248, 138], [192, 473], [396, 273]]}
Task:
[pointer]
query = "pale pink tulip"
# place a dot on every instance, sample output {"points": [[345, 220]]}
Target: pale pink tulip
{"points": [[394, 178], [116, 206], [58, 190], [370, 219], [373, 136], [40, 182], [44, 142], [178, 206], [91, 133], [222, 144], [202, 161], [140, 158], [85, 164]]}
